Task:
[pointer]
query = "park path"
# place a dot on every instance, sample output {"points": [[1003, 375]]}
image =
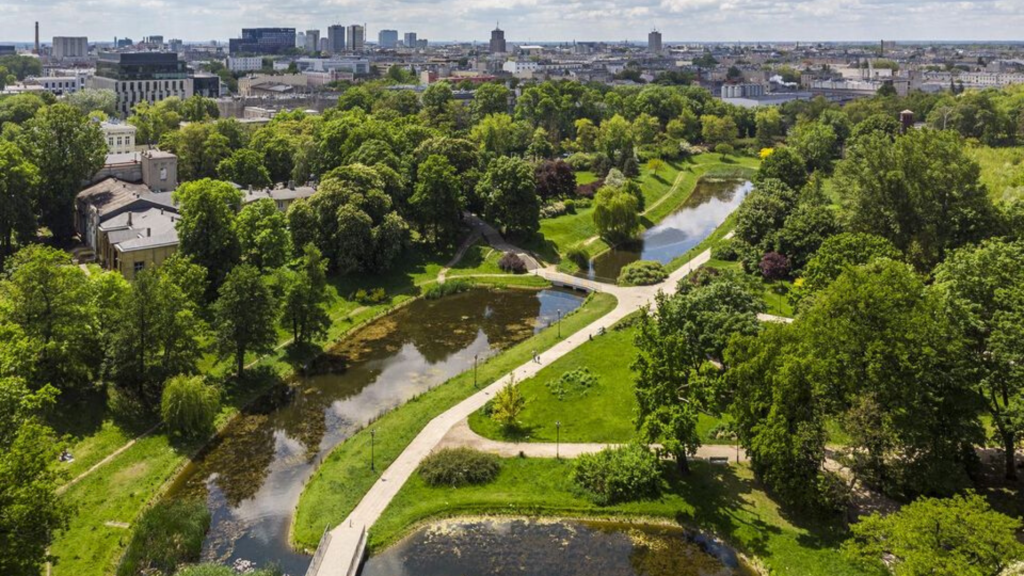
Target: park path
{"points": [[462, 436], [342, 548]]}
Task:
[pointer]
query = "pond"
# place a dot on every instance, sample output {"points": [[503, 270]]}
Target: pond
{"points": [[252, 475], [710, 204], [481, 547]]}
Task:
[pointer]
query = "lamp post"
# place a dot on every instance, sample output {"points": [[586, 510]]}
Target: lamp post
{"points": [[475, 358], [558, 438], [559, 322], [373, 438]]}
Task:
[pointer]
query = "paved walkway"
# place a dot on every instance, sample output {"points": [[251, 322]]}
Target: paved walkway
{"points": [[461, 436], [346, 540]]}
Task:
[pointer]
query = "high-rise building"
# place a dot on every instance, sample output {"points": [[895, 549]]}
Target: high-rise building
{"points": [[409, 40], [325, 45], [69, 47], [387, 38], [263, 41], [300, 40], [654, 41], [312, 40], [335, 38], [142, 77], [498, 41], [356, 37]]}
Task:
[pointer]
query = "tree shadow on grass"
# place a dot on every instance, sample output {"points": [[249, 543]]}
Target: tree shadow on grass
{"points": [[717, 493], [79, 414]]}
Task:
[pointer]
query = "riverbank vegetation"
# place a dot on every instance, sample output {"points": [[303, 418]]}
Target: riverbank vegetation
{"points": [[345, 475]]}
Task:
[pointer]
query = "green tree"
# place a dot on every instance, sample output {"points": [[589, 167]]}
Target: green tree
{"points": [[89, 100], [508, 405], [499, 135], [51, 302], [769, 126], [616, 213], [33, 512], [263, 237], [685, 127], [717, 130], [586, 135], [922, 192], [783, 164], [305, 298], [763, 213], [510, 194], [199, 109], [19, 179], [206, 232], [616, 139], [490, 98], [158, 334], [245, 316], [436, 203], [986, 283], [155, 120], [189, 406], [817, 144], [958, 536], [200, 149], [68, 149], [869, 333], [676, 379], [805, 229], [843, 251], [245, 168]]}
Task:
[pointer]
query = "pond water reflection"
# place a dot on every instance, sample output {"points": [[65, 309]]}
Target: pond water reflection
{"points": [[482, 547], [710, 204], [251, 476]]}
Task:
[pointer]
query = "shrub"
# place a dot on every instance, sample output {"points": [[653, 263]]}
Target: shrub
{"points": [[375, 296], [436, 291], [578, 255], [189, 405], [589, 190], [570, 206], [454, 467], [774, 266], [580, 161], [642, 273], [725, 250], [616, 475], [511, 262], [221, 570], [554, 210], [508, 405], [166, 536], [572, 383], [725, 149]]}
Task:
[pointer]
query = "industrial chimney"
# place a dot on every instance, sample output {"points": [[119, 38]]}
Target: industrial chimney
{"points": [[37, 37]]}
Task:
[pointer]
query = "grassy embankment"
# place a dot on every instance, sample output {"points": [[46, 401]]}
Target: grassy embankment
{"points": [[722, 500], [663, 193], [603, 413], [114, 495], [345, 476]]}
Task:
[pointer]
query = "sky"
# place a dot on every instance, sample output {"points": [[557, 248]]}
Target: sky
{"points": [[527, 20]]}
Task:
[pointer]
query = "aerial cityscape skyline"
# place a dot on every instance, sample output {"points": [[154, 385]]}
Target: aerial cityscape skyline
{"points": [[537, 20]]}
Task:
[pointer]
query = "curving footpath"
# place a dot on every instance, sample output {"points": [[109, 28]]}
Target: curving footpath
{"points": [[342, 548]]}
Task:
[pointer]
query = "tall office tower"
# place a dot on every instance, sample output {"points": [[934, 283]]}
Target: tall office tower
{"points": [[264, 41], [69, 47], [387, 38], [498, 41], [654, 41], [325, 46], [356, 37], [312, 40], [336, 39], [300, 40], [142, 77], [410, 40]]}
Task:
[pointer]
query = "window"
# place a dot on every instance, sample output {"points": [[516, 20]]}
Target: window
{"points": [[163, 173], [138, 267]]}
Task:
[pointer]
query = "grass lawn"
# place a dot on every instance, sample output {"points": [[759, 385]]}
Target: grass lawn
{"points": [[663, 193], [723, 500], [1002, 171], [603, 414], [344, 476], [584, 177], [479, 259]]}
